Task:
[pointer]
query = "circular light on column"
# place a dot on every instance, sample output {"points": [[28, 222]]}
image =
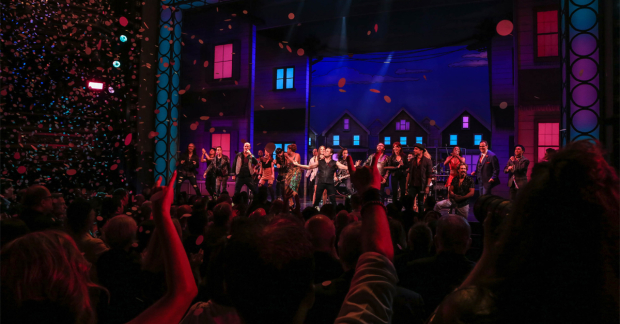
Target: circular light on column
{"points": [[123, 38], [116, 64]]}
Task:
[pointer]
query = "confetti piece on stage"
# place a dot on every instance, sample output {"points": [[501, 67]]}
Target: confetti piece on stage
{"points": [[203, 100], [182, 91], [300, 52], [281, 45], [16, 156], [342, 90], [368, 33], [21, 169], [375, 91], [123, 21], [387, 99], [504, 27], [153, 134], [221, 114], [206, 63], [113, 167], [432, 122], [193, 126], [128, 139], [288, 48], [376, 27], [204, 118], [424, 77], [71, 172], [212, 129], [99, 218], [503, 105], [291, 16], [245, 12], [342, 82]]}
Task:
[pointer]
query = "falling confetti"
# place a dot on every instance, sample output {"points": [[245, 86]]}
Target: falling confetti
{"points": [[128, 139], [424, 77], [342, 82], [387, 99], [113, 167], [21, 169], [300, 52], [342, 90], [221, 114], [193, 126], [153, 134], [432, 122], [206, 64], [376, 27], [503, 105], [375, 91], [71, 172], [123, 21], [212, 129], [204, 118], [291, 16], [288, 48]]}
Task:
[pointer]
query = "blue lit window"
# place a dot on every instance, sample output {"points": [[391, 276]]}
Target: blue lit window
{"points": [[403, 140], [386, 140], [418, 140], [356, 140], [453, 139], [284, 78], [336, 140], [477, 139], [309, 141]]}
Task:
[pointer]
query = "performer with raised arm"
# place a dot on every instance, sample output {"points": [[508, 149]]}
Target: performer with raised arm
{"points": [[209, 174], [243, 167], [220, 167], [453, 161], [293, 176], [517, 169], [282, 166], [187, 169], [311, 174], [381, 166], [325, 178], [343, 175], [397, 164], [266, 164]]}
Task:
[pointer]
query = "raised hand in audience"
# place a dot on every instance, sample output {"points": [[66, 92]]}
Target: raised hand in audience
{"points": [[179, 278]]}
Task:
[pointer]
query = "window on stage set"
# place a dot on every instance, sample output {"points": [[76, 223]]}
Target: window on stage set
{"points": [[223, 61], [386, 140], [346, 124], [309, 141], [418, 140], [465, 122], [402, 125], [336, 140], [477, 139], [548, 137], [403, 140], [284, 78], [471, 161], [547, 33], [356, 140], [454, 139], [222, 140]]}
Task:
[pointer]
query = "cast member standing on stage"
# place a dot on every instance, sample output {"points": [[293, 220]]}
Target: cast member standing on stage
{"points": [[221, 169], [257, 170], [517, 168], [209, 174], [293, 176], [397, 164], [311, 174], [487, 169], [281, 164], [419, 176], [343, 175], [267, 173], [325, 178], [243, 166], [187, 169], [381, 164], [453, 161]]}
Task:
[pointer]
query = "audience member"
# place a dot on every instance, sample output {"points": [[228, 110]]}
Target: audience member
{"points": [[399, 238], [80, 220], [356, 206], [328, 210], [408, 216], [11, 229], [323, 236], [308, 212], [38, 207], [59, 207], [435, 277]]}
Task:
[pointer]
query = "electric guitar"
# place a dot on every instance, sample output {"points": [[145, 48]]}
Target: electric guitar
{"points": [[339, 181]]}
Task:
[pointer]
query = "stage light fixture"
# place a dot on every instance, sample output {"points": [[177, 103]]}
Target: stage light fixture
{"points": [[95, 85], [123, 38], [116, 64]]}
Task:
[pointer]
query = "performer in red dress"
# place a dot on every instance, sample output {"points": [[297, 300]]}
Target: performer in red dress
{"points": [[454, 160]]}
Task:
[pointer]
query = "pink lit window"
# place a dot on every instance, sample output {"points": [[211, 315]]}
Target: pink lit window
{"points": [[222, 140], [465, 122], [346, 123], [402, 125], [222, 63], [547, 33], [548, 137]]}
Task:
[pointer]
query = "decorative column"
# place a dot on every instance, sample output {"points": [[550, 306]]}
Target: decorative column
{"points": [[580, 47]]}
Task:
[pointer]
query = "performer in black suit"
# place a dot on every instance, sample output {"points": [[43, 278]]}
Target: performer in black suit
{"points": [[517, 168], [487, 169], [187, 169]]}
